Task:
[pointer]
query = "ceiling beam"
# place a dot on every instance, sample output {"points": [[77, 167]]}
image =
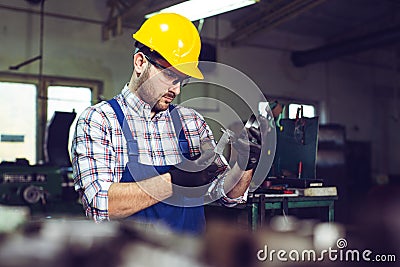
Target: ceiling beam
{"points": [[123, 12], [327, 52], [118, 13], [270, 17]]}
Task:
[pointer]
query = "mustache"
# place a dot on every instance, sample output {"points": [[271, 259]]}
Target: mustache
{"points": [[170, 95]]}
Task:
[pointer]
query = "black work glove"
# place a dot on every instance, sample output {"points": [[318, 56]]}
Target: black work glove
{"points": [[195, 172], [193, 179], [248, 145]]}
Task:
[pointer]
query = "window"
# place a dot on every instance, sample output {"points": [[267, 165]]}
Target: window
{"points": [[27, 109], [308, 110], [68, 99], [288, 107], [18, 121]]}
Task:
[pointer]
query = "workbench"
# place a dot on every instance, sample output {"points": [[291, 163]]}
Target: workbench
{"points": [[284, 203]]}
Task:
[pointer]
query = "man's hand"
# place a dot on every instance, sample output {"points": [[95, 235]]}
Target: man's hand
{"points": [[196, 172], [193, 179], [248, 145]]}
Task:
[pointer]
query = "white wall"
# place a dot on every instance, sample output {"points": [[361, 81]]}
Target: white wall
{"points": [[71, 48]]}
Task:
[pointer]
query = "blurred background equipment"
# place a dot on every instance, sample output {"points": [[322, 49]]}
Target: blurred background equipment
{"points": [[295, 158], [44, 188], [296, 150], [57, 134]]}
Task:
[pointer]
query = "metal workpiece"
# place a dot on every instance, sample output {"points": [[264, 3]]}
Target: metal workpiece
{"points": [[225, 139]]}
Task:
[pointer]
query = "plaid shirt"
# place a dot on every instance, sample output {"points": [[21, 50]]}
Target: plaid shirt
{"points": [[99, 151]]}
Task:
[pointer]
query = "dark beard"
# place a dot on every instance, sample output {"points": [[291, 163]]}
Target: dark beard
{"points": [[144, 88], [161, 106]]}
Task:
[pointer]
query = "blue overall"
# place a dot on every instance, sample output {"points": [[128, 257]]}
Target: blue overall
{"points": [[178, 218]]}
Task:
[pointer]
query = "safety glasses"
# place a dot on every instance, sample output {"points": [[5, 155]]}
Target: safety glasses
{"points": [[169, 74]]}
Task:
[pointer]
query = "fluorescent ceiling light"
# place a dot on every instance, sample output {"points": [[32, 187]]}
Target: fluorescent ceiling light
{"points": [[200, 9]]}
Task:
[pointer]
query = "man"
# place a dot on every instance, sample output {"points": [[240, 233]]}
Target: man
{"points": [[138, 155]]}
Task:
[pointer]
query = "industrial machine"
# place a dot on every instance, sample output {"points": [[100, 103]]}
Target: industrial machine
{"points": [[23, 184], [47, 188]]}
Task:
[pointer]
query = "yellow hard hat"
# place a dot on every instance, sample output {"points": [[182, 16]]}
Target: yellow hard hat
{"points": [[175, 38]]}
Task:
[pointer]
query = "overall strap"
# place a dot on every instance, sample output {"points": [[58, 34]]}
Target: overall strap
{"points": [[176, 121], [178, 127], [121, 119]]}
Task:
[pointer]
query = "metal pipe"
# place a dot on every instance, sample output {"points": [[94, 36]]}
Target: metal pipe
{"points": [[41, 41], [49, 14], [26, 62], [351, 46]]}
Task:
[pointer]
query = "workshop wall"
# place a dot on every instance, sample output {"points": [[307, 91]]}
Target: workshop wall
{"points": [[346, 89], [71, 48], [349, 91]]}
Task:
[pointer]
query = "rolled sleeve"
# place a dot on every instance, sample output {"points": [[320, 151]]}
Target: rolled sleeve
{"points": [[95, 199], [224, 199], [93, 163], [217, 190]]}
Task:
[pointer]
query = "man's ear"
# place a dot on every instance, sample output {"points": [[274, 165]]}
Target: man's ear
{"points": [[139, 62]]}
